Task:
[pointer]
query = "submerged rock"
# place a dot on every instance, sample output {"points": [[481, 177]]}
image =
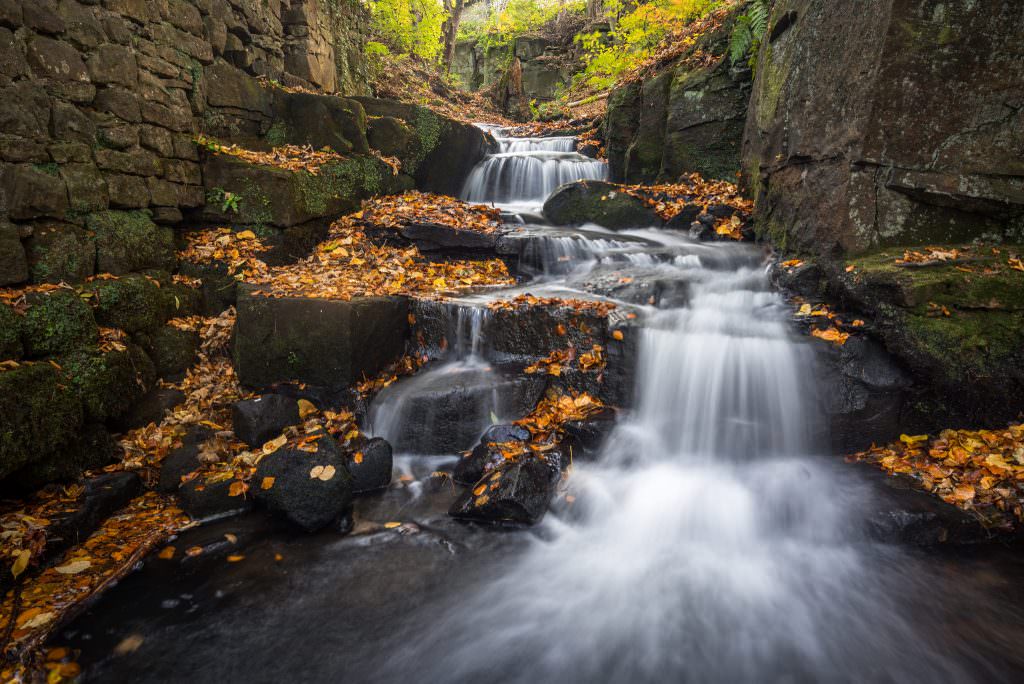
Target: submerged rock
{"points": [[257, 420], [476, 463], [598, 202], [519, 492]]}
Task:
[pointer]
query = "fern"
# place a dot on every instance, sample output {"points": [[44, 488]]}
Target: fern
{"points": [[749, 30]]}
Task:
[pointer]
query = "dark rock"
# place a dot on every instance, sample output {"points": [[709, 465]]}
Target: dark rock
{"points": [[172, 350], [202, 500], [311, 502], [505, 433], [686, 216], [472, 466], [430, 237], [373, 470], [830, 191], [586, 437], [446, 413], [389, 136], [109, 383], [150, 408], [321, 342], [56, 60], [218, 289], [132, 303], [33, 191], [257, 420], [10, 334], [518, 492], [598, 202], [102, 496], [57, 322], [182, 460], [322, 121], [13, 263]]}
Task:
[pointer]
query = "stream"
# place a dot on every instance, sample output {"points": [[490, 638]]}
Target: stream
{"points": [[711, 539]]}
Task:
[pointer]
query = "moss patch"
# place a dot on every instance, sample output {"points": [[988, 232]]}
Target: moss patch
{"points": [[129, 241], [57, 323], [132, 303], [10, 334], [108, 384], [347, 182]]}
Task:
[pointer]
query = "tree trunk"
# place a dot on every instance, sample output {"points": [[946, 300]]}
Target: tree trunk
{"points": [[451, 31]]}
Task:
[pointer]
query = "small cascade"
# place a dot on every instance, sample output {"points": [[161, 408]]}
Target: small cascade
{"points": [[527, 170]]}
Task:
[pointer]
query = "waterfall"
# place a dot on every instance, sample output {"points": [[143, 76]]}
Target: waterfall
{"points": [[527, 170]]}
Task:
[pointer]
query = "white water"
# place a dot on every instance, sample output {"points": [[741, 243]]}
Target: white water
{"points": [[708, 544], [526, 170]]}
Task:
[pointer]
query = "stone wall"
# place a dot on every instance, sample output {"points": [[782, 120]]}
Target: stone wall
{"points": [[99, 103], [685, 116], [903, 124]]}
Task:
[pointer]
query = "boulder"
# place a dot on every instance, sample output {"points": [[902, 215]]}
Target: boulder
{"points": [[474, 464], [317, 341], [92, 447], [311, 490], [371, 466], [518, 492], [430, 237], [108, 384], [321, 121], [151, 408], [257, 420], [10, 334], [57, 322], [598, 202], [218, 289], [441, 152], [13, 263], [172, 350], [505, 433], [584, 438]]}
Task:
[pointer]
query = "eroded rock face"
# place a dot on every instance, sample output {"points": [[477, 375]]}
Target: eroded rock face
{"points": [[902, 127], [684, 117]]}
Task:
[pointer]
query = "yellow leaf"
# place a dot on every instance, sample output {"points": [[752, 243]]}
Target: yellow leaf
{"points": [[479, 490], [392, 525], [231, 538], [234, 558], [327, 473], [245, 235], [73, 568], [37, 621], [194, 551], [21, 562], [358, 457], [316, 472], [237, 488], [129, 644], [306, 408], [913, 440], [267, 483], [617, 334], [805, 310], [274, 444], [166, 553]]}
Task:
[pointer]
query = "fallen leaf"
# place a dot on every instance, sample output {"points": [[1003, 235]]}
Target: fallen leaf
{"points": [[267, 482], [166, 553], [392, 525], [306, 408], [74, 567], [234, 558], [129, 644], [231, 538], [617, 334], [21, 562], [245, 235], [194, 551]]}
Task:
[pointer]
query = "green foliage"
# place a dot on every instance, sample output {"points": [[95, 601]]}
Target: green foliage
{"points": [[749, 31], [638, 33], [408, 27], [228, 201], [518, 18]]}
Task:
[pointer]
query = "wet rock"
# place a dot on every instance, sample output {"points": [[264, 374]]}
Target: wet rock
{"points": [[257, 420], [586, 437], [598, 202], [202, 500], [321, 342], [183, 460], [133, 303], [108, 383], [309, 489], [518, 492], [130, 241], [429, 237], [475, 464], [373, 469], [686, 216], [172, 350], [505, 433], [151, 408], [218, 289], [446, 413]]}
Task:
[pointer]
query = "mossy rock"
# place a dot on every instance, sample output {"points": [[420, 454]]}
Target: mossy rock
{"points": [[173, 350], [182, 300], [109, 383], [132, 303], [56, 323], [129, 241], [218, 291], [60, 253], [598, 202], [93, 447], [40, 415], [10, 334]]}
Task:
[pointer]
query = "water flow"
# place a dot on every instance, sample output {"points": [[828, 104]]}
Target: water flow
{"points": [[527, 170]]}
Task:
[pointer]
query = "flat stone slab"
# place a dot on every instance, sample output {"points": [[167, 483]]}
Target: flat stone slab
{"points": [[328, 343]]}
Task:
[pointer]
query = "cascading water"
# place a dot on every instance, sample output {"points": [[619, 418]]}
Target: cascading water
{"points": [[525, 171]]}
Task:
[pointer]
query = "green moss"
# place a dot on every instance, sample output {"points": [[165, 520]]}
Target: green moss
{"points": [[130, 241], [132, 303], [429, 128], [56, 323], [39, 416], [278, 134], [255, 208], [10, 334], [50, 168], [108, 384], [173, 351], [351, 179], [970, 345]]}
